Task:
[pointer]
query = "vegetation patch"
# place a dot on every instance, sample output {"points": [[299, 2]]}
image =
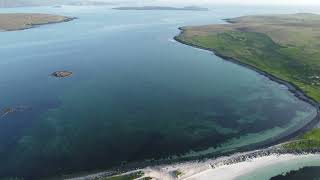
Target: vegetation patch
{"points": [[177, 173], [285, 46], [131, 176], [308, 141]]}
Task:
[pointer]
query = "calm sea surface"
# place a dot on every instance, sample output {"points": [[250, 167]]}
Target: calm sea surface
{"points": [[135, 93]]}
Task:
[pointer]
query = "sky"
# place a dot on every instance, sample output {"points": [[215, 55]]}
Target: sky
{"points": [[187, 2]]}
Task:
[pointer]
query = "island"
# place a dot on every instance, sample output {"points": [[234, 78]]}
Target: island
{"points": [[20, 21], [142, 8], [61, 74]]}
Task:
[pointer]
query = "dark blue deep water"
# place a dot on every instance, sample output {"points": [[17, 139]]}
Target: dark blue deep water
{"points": [[311, 173], [135, 93]]}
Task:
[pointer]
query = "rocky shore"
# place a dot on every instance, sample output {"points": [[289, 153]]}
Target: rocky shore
{"points": [[263, 167], [275, 150], [190, 168]]}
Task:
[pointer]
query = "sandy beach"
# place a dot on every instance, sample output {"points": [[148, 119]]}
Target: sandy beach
{"points": [[263, 167], [249, 169], [239, 166]]}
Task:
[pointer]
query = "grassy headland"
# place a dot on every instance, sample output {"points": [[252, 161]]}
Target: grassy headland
{"points": [[285, 46], [19, 21]]}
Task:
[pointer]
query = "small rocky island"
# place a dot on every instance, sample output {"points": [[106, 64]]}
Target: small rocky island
{"points": [[61, 74], [187, 8], [20, 21]]}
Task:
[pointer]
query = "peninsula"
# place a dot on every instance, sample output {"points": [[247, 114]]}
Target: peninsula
{"points": [[20, 21], [283, 46], [187, 8]]}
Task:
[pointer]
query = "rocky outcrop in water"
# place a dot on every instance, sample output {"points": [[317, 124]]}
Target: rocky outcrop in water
{"points": [[61, 74]]}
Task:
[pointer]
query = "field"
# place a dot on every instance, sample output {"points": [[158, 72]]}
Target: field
{"points": [[285, 46]]}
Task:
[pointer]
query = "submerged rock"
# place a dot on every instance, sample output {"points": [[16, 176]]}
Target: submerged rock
{"points": [[8, 110], [61, 74]]}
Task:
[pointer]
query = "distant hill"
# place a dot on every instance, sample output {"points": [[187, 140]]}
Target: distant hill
{"points": [[26, 3], [187, 8], [89, 3]]}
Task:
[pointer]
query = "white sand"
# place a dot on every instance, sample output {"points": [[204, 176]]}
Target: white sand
{"points": [[233, 171], [262, 168], [204, 171]]}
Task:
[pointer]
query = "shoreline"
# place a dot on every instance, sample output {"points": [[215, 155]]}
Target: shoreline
{"points": [[265, 148], [68, 19], [193, 168], [249, 166], [291, 87], [296, 91], [35, 25]]}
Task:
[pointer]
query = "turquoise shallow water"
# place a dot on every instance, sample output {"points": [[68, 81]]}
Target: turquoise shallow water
{"points": [[135, 93], [303, 168]]}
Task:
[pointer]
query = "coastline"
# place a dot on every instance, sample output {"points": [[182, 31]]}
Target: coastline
{"points": [[67, 19], [35, 25], [263, 149], [296, 91], [291, 87], [250, 168], [191, 169]]}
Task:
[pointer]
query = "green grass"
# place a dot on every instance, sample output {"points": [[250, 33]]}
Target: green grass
{"points": [[285, 46], [146, 178], [131, 176], [289, 63], [177, 173], [308, 141]]}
